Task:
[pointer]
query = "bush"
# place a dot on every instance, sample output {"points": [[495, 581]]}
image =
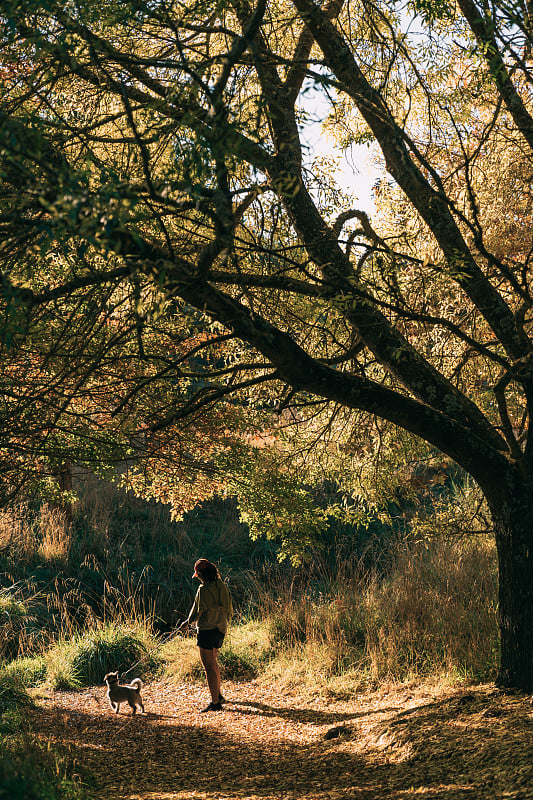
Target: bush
{"points": [[245, 651], [28, 672], [26, 774], [26, 771], [85, 659], [12, 693]]}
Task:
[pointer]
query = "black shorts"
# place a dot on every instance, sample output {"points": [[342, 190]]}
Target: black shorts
{"points": [[210, 639]]}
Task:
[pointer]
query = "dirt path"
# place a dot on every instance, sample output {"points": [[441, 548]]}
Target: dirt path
{"points": [[423, 742]]}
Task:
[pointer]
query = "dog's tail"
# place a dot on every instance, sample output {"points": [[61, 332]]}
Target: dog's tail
{"points": [[136, 683]]}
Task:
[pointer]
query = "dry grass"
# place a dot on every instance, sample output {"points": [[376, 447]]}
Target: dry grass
{"points": [[55, 536], [433, 612], [27, 536], [246, 651], [16, 533]]}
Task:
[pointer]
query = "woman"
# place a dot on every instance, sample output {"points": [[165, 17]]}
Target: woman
{"points": [[211, 610]]}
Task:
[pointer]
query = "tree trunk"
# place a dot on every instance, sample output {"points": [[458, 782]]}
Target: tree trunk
{"points": [[63, 476], [513, 524]]}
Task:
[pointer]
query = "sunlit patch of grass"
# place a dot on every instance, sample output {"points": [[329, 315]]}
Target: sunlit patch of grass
{"points": [[435, 612], [29, 672], [85, 659], [243, 655], [310, 666], [348, 684], [11, 607], [55, 537], [12, 692], [181, 660], [245, 651]]}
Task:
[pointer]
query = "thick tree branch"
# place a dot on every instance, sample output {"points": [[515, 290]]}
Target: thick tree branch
{"points": [[483, 29], [431, 205]]}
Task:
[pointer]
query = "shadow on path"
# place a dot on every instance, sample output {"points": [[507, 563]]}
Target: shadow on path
{"points": [[450, 749], [307, 715]]}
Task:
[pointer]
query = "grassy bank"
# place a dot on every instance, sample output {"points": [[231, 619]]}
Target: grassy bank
{"points": [[29, 771], [372, 605], [369, 604], [432, 613]]}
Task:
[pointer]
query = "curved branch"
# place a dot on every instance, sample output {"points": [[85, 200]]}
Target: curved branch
{"points": [[431, 205]]}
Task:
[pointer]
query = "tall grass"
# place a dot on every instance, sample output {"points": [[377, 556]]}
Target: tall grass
{"points": [[373, 608], [432, 612], [120, 557], [436, 611], [19, 627], [86, 658], [16, 534]]}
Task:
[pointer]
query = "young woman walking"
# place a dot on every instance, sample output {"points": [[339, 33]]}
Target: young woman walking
{"points": [[211, 610]]}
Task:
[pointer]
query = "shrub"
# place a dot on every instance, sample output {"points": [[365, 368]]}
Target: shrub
{"points": [[85, 659], [29, 672], [246, 650], [12, 692]]}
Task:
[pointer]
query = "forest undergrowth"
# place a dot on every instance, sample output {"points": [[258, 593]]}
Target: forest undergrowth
{"points": [[107, 592]]}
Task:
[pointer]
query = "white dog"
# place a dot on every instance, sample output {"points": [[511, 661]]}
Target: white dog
{"points": [[117, 694]]}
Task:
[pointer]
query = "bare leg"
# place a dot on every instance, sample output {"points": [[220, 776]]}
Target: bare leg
{"points": [[212, 671]]}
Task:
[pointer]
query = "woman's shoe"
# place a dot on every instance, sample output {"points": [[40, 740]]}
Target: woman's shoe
{"points": [[212, 707]]}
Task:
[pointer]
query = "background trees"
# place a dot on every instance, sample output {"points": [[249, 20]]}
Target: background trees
{"points": [[170, 263]]}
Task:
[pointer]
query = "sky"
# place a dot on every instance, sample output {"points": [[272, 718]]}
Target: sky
{"points": [[357, 171]]}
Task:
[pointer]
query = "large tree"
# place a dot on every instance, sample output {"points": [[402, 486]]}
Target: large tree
{"points": [[168, 246]]}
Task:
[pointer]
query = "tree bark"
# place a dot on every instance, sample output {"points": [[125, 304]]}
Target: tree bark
{"points": [[513, 526], [63, 476]]}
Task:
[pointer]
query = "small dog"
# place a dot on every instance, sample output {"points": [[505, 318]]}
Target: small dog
{"points": [[117, 694]]}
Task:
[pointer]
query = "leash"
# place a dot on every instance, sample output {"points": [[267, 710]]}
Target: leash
{"points": [[150, 652]]}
